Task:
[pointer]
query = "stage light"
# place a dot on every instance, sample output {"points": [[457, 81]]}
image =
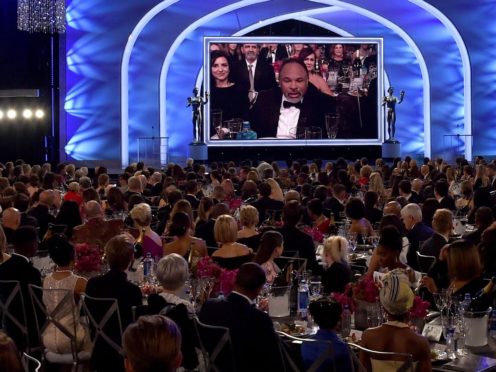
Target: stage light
{"points": [[39, 114], [11, 114], [27, 114], [1, 114]]}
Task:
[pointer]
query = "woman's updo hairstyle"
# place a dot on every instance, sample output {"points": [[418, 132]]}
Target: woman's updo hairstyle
{"points": [[180, 224]]}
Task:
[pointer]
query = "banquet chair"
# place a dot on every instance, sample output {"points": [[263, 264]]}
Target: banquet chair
{"points": [[404, 361], [215, 347], [288, 344], [105, 323], [29, 363], [45, 318], [425, 262], [13, 313], [299, 264]]}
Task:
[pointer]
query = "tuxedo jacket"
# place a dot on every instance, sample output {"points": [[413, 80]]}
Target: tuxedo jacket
{"points": [[264, 77], [448, 202], [254, 342], [433, 245], [419, 233], [264, 115]]}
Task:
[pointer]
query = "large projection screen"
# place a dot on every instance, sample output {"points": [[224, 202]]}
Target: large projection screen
{"points": [[352, 69]]}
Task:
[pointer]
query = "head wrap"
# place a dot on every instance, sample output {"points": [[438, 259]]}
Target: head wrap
{"points": [[396, 295]]}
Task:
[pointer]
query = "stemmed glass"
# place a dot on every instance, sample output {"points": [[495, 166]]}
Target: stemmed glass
{"points": [[352, 239], [442, 300]]}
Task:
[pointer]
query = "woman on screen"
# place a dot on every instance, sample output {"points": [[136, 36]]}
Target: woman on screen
{"points": [[307, 56], [338, 60], [225, 95]]}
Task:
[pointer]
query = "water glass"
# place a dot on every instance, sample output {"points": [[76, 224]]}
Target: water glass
{"points": [[332, 122], [315, 288], [313, 133]]}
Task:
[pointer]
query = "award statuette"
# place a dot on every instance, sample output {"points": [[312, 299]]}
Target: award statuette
{"points": [[391, 147], [198, 149]]}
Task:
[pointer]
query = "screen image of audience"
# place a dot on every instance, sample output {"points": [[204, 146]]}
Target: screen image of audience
{"points": [[246, 84]]}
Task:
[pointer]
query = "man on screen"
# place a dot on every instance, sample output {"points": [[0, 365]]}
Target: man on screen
{"points": [[252, 74], [279, 112]]}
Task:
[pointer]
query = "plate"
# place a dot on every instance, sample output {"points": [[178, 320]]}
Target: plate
{"points": [[438, 356]]}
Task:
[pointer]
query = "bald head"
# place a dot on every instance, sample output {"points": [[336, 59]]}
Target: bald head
{"points": [[93, 209], [46, 198], [292, 195], [417, 184], [393, 207], [11, 218]]}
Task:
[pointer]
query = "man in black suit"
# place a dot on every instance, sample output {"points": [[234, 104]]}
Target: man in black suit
{"points": [[191, 189], [405, 190], [114, 284], [336, 202], [442, 223], [265, 203], [42, 212], [279, 111], [483, 219], [441, 189], [417, 231], [254, 342], [491, 173], [252, 74], [296, 240], [18, 268]]}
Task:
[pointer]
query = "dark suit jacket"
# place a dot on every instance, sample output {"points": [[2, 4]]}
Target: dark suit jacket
{"points": [[205, 231], [113, 284], [335, 206], [296, 240], [264, 115], [18, 268], [263, 204], [414, 198], [281, 52], [447, 202], [264, 77], [419, 233], [193, 200], [43, 217], [433, 245], [254, 341]]}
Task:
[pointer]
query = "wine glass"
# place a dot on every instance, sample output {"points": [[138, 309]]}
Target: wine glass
{"points": [[315, 288], [332, 122]]}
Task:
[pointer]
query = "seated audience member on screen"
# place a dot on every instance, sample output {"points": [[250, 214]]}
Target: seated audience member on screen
{"points": [[279, 111], [225, 95], [262, 73]]}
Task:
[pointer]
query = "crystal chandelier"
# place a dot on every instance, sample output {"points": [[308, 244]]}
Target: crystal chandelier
{"points": [[46, 16]]}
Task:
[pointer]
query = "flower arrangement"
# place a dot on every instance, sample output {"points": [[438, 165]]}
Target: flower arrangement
{"points": [[87, 258], [224, 279], [419, 309], [315, 233], [365, 289]]}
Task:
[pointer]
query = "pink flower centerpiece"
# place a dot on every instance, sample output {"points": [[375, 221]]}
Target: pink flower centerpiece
{"points": [[315, 233], [224, 279], [88, 258]]}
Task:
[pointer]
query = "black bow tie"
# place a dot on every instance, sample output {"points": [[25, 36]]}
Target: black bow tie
{"points": [[287, 104]]}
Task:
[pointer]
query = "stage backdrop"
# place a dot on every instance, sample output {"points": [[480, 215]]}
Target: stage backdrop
{"points": [[130, 66]]}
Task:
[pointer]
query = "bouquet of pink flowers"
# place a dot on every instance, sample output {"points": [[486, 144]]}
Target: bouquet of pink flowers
{"points": [[365, 289], [87, 258], [315, 233], [224, 279], [419, 309]]}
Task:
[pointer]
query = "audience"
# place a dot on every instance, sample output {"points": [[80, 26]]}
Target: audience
{"points": [[271, 247], [152, 344], [230, 255]]}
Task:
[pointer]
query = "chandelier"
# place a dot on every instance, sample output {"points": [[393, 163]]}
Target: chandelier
{"points": [[46, 16]]}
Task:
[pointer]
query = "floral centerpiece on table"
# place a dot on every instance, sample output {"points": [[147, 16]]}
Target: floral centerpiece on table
{"points": [[315, 233], [88, 258], [419, 309], [223, 278], [363, 290]]}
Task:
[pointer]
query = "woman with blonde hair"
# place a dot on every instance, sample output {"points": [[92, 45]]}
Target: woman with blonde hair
{"points": [[335, 257], [276, 191], [377, 184], [481, 179], [230, 255], [249, 235], [141, 215]]}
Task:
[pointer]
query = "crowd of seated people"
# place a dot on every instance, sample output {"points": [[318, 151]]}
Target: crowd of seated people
{"points": [[420, 203]]}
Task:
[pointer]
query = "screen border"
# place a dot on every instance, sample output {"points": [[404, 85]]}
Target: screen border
{"points": [[291, 40]]}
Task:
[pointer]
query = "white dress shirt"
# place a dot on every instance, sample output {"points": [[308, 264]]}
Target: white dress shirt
{"points": [[288, 121]]}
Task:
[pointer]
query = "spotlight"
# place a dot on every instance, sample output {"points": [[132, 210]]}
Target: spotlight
{"points": [[27, 114], [1, 114], [11, 113], [39, 113]]}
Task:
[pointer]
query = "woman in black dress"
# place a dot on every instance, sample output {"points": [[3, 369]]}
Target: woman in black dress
{"points": [[338, 272], [225, 95]]}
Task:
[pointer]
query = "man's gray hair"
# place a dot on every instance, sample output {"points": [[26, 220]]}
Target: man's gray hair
{"points": [[412, 210], [172, 271]]}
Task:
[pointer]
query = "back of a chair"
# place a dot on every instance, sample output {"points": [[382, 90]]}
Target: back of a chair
{"points": [[299, 264], [29, 363], [216, 347], [288, 344], [61, 306], [388, 356], [104, 320], [13, 312], [425, 262]]}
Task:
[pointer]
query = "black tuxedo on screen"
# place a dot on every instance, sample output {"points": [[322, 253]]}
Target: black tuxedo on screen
{"points": [[264, 77], [255, 345], [264, 115]]}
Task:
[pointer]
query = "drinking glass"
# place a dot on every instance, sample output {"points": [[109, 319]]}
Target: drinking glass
{"points": [[298, 132], [234, 127], [332, 125], [315, 288], [313, 133]]}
